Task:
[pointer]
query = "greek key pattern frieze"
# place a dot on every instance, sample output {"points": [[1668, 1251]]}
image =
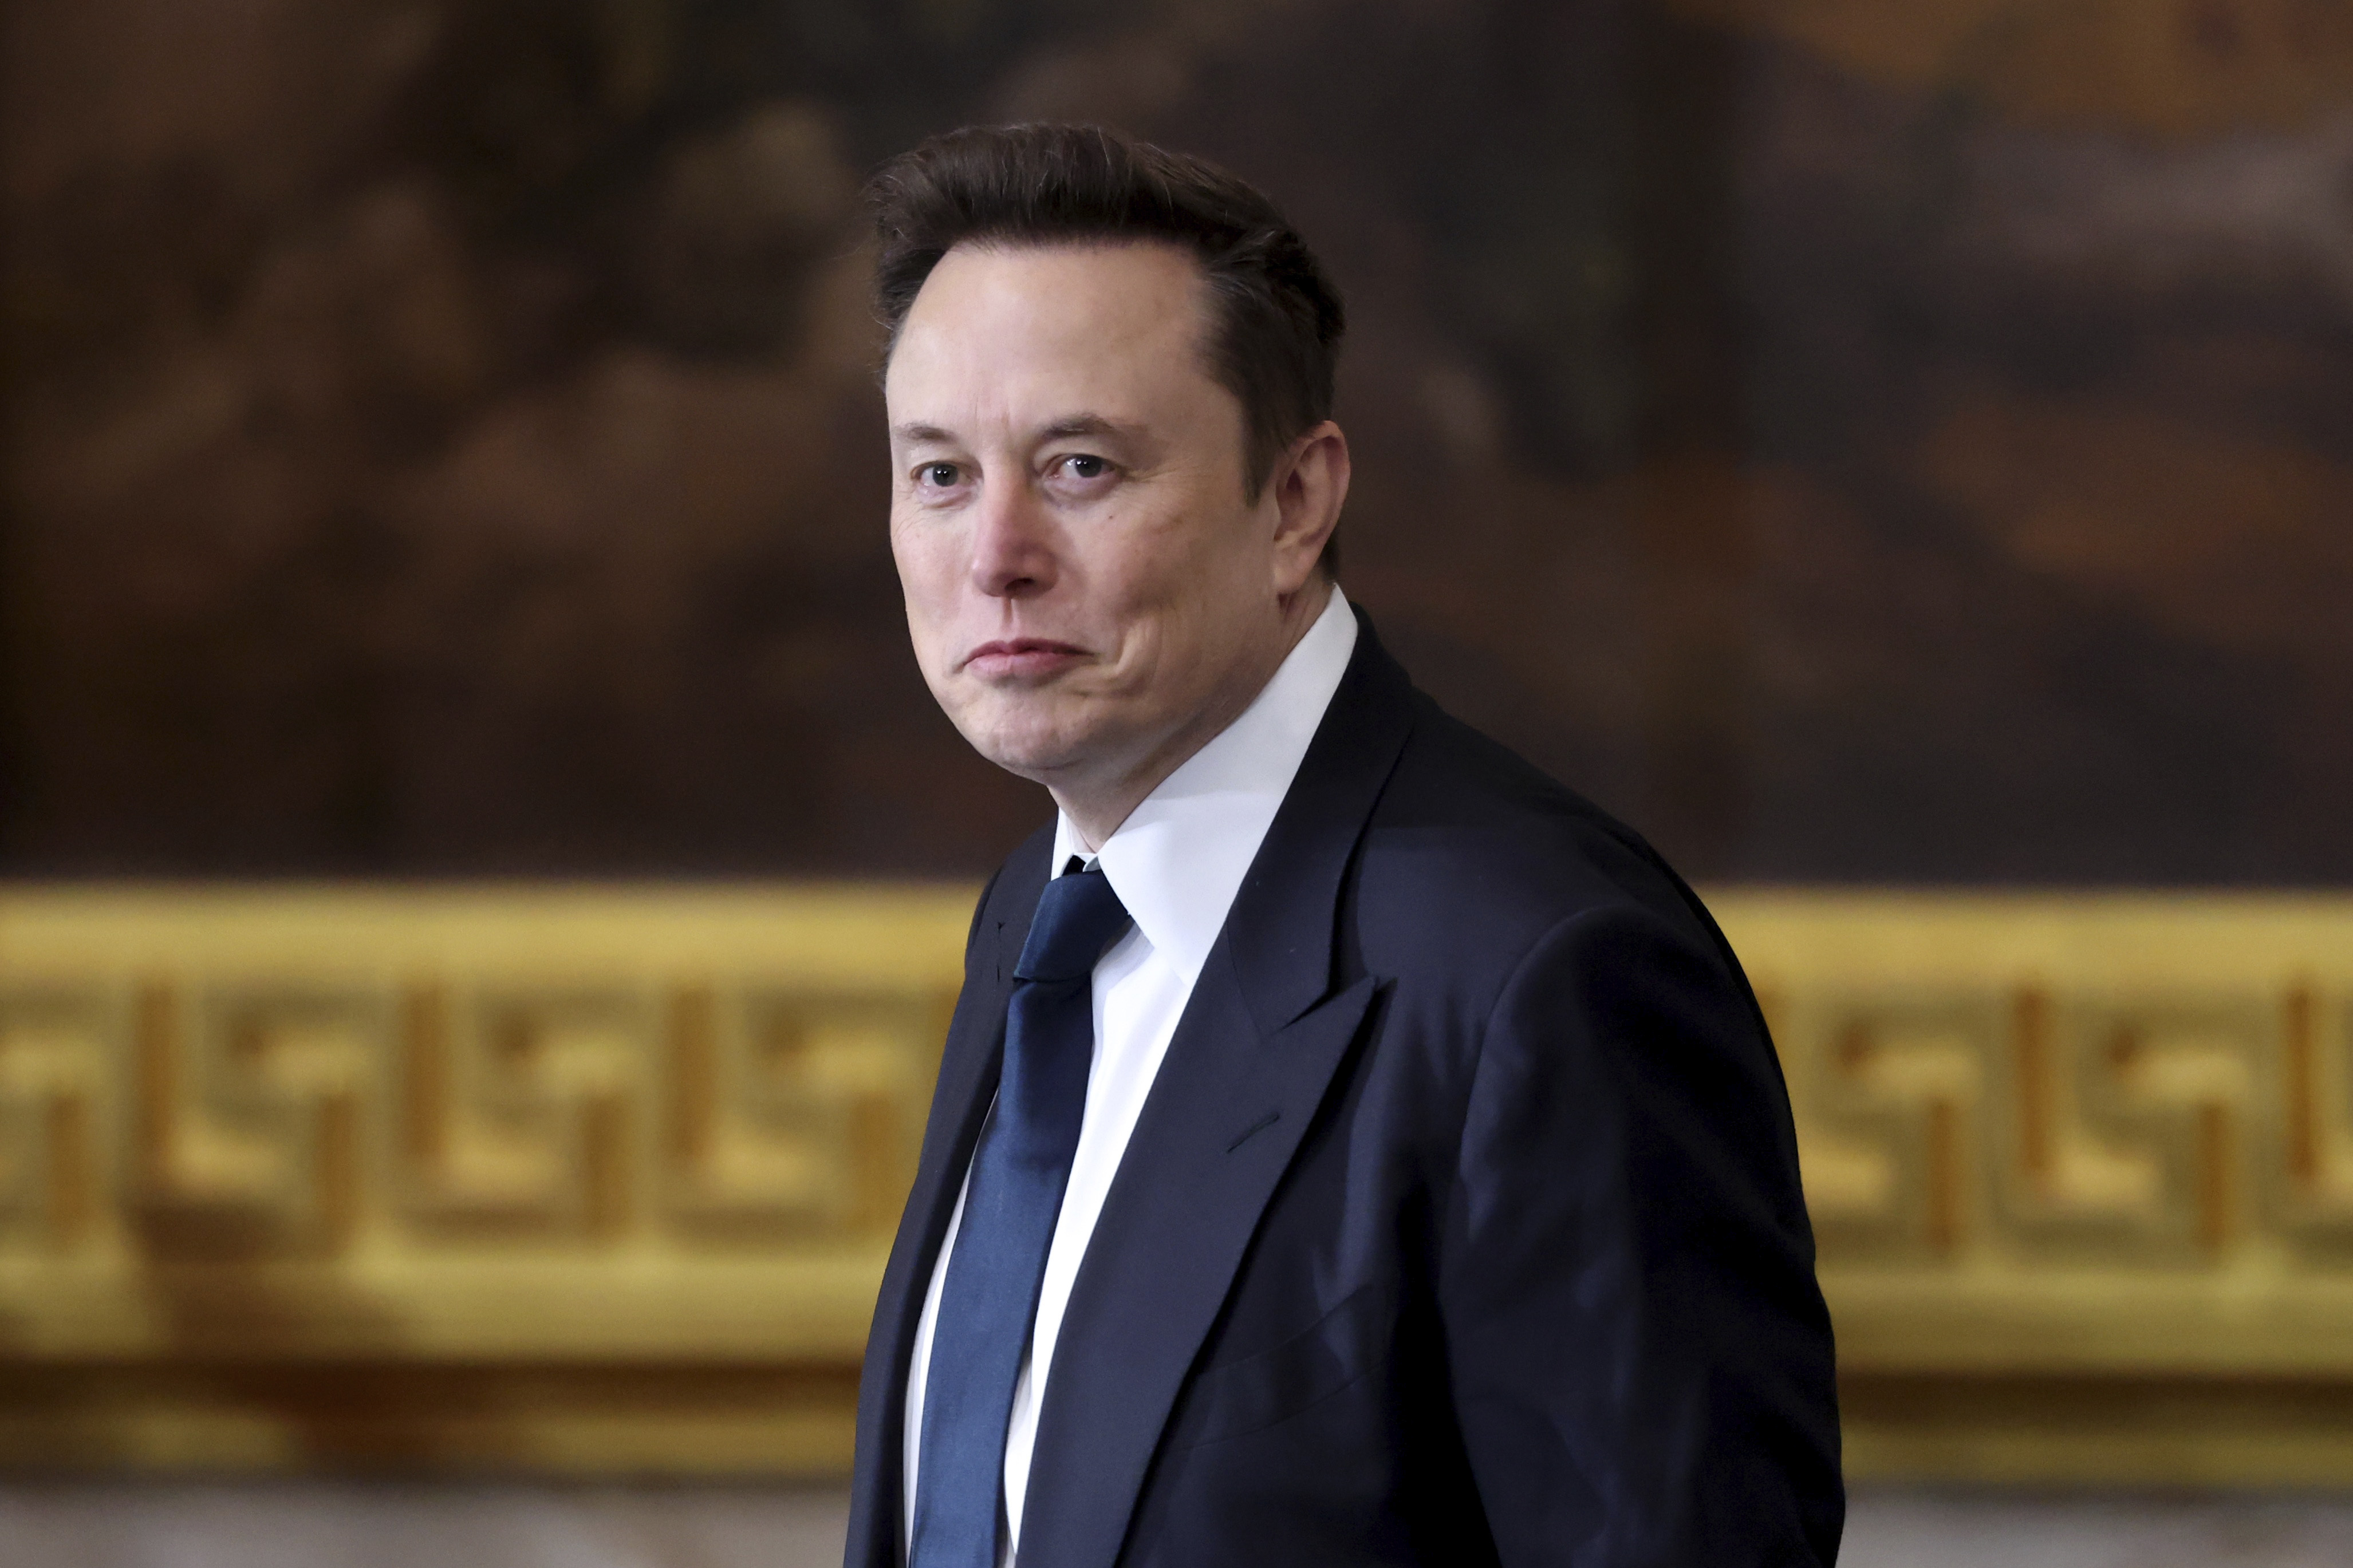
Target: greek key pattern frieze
{"points": [[2170, 1130], [223, 1121], [519, 1125]]}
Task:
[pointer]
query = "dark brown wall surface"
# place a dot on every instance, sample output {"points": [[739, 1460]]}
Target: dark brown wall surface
{"points": [[1853, 441]]}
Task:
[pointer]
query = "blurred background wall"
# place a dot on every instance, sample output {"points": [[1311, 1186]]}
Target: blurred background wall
{"points": [[1855, 442], [1883, 445]]}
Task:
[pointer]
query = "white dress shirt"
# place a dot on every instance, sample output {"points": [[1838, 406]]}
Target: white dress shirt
{"points": [[1177, 863]]}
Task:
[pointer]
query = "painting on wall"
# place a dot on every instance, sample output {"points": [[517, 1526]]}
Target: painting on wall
{"points": [[1852, 443]]}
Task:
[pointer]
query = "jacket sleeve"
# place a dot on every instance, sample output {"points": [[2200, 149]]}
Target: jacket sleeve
{"points": [[1640, 1358]]}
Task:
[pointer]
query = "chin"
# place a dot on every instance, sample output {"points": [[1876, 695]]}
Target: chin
{"points": [[1031, 744]]}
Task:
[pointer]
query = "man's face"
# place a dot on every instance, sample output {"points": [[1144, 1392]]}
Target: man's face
{"points": [[1090, 594]]}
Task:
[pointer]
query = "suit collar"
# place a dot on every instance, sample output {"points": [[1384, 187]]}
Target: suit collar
{"points": [[1285, 919]]}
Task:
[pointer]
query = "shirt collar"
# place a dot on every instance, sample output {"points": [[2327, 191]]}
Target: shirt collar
{"points": [[1179, 858]]}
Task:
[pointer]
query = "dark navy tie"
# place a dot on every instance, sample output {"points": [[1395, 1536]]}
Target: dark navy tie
{"points": [[1011, 1201]]}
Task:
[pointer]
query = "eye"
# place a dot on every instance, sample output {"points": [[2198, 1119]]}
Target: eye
{"points": [[1083, 466], [942, 476]]}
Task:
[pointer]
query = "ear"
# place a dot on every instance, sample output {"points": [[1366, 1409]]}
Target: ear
{"points": [[1306, 491]]}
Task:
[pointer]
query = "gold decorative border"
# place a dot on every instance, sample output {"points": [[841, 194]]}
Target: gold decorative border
{"points": [[595, 1179]]}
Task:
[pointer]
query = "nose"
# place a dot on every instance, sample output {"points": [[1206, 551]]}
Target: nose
{"points": [[1012, 545]]}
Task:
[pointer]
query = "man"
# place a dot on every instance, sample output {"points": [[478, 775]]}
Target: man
{"points": [[1350, 1146]]}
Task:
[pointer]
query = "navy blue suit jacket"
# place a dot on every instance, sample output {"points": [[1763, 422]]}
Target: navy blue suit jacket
{"points": [[1462, 1224]]}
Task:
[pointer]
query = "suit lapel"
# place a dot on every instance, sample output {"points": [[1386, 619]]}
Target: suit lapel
{"points": [[969, 1065], [1205, 1156], [1270, 1022]]}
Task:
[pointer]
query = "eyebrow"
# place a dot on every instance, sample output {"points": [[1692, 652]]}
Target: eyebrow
{"points": [[1085, 425], [1061, 429]]}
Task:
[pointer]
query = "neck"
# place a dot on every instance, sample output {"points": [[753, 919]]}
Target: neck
{"points": [[1097, 804]]}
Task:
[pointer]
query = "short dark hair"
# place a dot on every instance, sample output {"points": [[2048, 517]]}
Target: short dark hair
{"points": [[1276, 339]]}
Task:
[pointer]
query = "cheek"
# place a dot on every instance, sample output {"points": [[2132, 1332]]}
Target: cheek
{"points": [[1179, 571], [1210, 589], [926, 561]]}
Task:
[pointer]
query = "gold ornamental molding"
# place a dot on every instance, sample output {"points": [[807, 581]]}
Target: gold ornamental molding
{"points": [[602, 1179], [2081, 1172], [574, 1179]]}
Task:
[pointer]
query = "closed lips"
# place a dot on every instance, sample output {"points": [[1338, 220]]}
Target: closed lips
{"points": [[1022, 650]]}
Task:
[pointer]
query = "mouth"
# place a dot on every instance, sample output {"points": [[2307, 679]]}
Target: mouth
{"points": [[1017, 657]]}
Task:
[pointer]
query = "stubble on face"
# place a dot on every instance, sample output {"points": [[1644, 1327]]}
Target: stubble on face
{"points": [[1090, 593]]}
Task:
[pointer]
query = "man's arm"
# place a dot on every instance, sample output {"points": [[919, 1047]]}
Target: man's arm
{"points": [[1640, 1358]]}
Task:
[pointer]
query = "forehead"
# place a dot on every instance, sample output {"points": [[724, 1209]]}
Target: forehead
{"points": [[1007, 324]]}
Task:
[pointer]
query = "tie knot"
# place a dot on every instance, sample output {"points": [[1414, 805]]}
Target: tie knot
{"points": [[1078, 916]]}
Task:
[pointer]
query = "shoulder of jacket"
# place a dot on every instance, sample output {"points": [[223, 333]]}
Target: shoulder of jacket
{"points": [[1470, 832]]}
